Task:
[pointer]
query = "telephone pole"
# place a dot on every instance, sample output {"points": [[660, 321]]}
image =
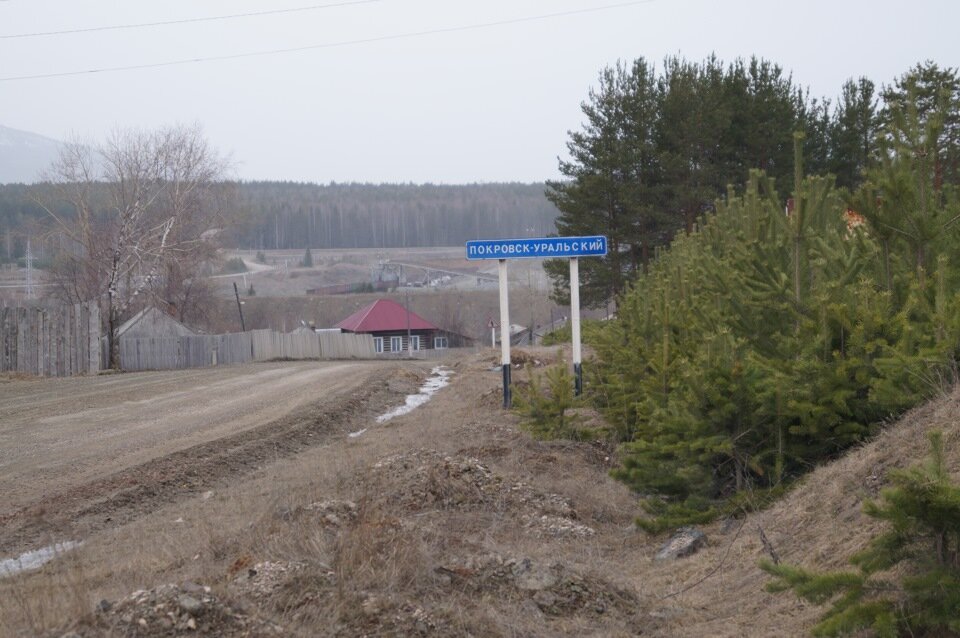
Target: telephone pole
{"points": [[29, 271], [236, 292]]}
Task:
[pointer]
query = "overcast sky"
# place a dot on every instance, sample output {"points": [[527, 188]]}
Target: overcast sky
{"points": [[473, 105]]}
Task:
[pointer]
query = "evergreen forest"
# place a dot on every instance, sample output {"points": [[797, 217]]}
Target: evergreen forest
{"points": [[791, 315], [660, 144], [289, 215]]}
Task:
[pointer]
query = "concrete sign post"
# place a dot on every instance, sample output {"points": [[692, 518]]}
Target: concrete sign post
{"points": [[538, 248], [575, 325], [504, 331]]}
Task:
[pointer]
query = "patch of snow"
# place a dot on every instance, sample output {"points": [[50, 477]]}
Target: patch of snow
{"points": [[440, 378], [354, 435], [35, 559]]}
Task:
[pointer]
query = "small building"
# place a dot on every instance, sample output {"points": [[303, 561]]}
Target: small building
{"points": [[390, 324], [151, 322]]}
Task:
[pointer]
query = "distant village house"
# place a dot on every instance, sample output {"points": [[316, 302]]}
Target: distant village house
{"points": [[390, 325]]}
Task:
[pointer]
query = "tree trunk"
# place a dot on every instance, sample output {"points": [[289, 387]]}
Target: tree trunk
{"points": [[886, 264], [113, 344]]}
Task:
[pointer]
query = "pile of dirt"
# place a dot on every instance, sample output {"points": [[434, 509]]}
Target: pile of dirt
{"points": [[174, 610], [548, 597], [373, 615], [554, 588], [426, 479], [330, 513], [405, 381], [394, 572], [262, 581], [538, 357]]}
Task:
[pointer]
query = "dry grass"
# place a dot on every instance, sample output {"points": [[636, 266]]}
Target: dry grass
{"points": [[6, 377], [432, 524], [818, 525]]}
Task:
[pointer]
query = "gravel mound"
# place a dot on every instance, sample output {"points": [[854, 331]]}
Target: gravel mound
{"points": [[174, 610]]}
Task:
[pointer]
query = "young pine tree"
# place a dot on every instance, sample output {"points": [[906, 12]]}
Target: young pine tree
{"points": [[922, 597]]}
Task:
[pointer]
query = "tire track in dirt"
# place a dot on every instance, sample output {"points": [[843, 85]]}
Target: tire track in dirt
{"points": [[28, 403], [125, 495], [75, 442]]}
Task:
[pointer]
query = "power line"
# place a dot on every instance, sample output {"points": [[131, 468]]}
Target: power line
{"points": [[329, 45], [232, 16]]}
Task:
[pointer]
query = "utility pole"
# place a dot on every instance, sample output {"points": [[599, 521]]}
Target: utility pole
{"points": [[236, 292], [406, 301], [29, 270]]}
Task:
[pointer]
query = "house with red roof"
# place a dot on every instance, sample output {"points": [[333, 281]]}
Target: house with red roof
{"points": [[394, 329]]}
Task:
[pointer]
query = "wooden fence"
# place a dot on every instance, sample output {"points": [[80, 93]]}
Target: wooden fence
{"points": [[170, 353], [50, 341]]}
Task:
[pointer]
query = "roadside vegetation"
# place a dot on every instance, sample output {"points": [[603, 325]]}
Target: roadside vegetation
{"points": [[779, 328], [922, 511], [233, 266], [776, 331]]}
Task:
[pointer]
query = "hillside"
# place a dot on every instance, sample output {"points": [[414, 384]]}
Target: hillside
{"points": [[448, 521], [818, 525], [24, 155]]}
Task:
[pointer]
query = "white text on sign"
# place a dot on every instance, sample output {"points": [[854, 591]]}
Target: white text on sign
{"points": [[537, 247]]}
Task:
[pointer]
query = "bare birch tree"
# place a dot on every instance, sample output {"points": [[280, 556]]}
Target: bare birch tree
{"points": [[136, 209]]}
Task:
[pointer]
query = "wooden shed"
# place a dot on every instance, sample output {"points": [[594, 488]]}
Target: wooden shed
{"points": [[151, 322]]}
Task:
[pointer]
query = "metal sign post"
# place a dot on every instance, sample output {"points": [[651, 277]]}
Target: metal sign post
{"points": [[538, 248]]}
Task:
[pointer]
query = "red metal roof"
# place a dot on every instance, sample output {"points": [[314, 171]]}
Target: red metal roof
{"points": [[383, 315]]}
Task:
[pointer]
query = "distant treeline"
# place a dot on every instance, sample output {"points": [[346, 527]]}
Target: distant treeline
{"points": [[292, 215], [277, 215]]}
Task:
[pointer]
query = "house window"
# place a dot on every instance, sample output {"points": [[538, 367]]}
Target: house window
{"points": [[415, 342], [440, 343], [396, 344], [378, 344]]}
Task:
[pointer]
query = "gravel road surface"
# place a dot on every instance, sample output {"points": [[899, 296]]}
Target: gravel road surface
{"points": [[82, 452]]}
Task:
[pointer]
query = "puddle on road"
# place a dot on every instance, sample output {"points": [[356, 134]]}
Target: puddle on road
{"points": [[35, 559]]}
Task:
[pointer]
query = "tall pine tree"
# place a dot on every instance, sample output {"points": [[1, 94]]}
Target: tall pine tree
{"points": [[610, 181]]}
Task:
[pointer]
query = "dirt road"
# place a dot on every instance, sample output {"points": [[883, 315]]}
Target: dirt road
{"points": [[81, 453]]}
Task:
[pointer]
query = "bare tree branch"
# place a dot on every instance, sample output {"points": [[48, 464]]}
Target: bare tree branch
{"points": [[138, 204]]}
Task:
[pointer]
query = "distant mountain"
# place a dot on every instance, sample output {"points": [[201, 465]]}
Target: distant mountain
{"points": [[23, 155]]}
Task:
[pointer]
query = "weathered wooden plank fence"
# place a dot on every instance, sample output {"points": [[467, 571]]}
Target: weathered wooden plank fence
{"points": [[50, 341], [171, 353]]}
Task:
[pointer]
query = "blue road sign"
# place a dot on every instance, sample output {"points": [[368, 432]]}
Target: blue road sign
{"points": [[537, 248]]}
